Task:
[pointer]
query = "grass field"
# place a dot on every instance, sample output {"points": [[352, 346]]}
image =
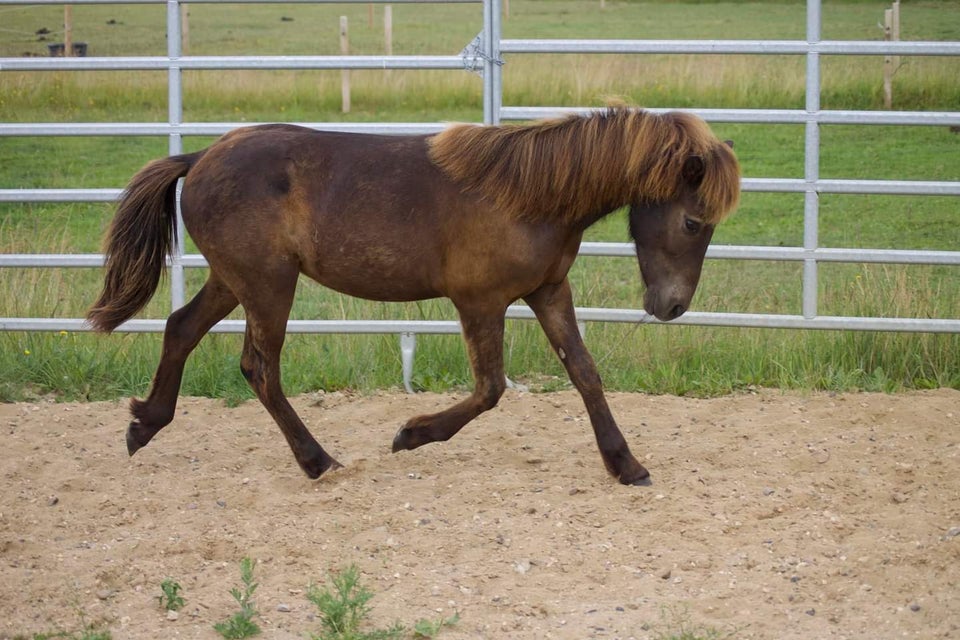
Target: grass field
{"points": [[657, 358]]}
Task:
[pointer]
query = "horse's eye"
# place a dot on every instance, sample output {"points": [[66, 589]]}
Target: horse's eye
{"points": [[691, 225]]}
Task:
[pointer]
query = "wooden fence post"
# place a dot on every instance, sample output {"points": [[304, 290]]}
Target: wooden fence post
{"points": [[388, 29], [344, 73], [891, 33], [887, 61], [68, 30], [896, 30], [184, 28]]}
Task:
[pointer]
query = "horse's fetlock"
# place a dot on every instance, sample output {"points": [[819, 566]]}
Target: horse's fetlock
{"points": [[148, 414]]}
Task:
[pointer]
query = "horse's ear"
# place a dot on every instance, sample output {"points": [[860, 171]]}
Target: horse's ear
{"points": [[693, 171], [729, 143]]}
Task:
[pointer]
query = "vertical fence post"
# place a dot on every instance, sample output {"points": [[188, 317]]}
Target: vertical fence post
{"points": [[495, 67], [408, 347], [891, 33], [185, 28], [492, 78], [888, 60], [388, 30], [896, 30], [68, 30], [344, 73], [175, 142], [811, 163]]}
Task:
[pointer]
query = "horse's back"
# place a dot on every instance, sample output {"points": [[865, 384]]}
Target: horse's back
{"points": [[359, 213]]}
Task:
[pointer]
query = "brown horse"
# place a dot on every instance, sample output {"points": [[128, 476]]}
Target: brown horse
{"points": [[483, 215]]}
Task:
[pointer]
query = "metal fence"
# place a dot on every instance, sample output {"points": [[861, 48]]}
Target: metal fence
{"points": [[485, 55]]}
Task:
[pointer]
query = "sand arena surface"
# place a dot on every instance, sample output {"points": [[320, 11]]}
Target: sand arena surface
{"points": [[776, 515]]}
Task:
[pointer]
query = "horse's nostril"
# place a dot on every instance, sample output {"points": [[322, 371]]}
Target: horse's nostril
{"points": [[677, 311]]}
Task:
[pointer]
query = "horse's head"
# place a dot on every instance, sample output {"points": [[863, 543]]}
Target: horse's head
{"points": [[671, 240]]}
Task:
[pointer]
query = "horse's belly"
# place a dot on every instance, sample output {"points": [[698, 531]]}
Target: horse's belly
{"points": [[374, 279]]}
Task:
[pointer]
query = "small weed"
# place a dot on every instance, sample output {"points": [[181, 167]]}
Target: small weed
{"points": [[86, 634], [344, 608], [170, 598], [679, 627], [88, 631], [241, 625], [429, 629]]}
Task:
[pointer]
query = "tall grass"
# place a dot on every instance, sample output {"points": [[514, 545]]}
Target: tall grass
{"points": [[555, 80]]}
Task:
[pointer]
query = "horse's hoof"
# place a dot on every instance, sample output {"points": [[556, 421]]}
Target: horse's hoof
{"points": [[135, 442], [401, 441], [327, 463], [332, 466], [639, 477]]}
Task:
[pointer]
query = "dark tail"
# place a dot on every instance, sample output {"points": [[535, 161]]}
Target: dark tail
{"points": [[138, 241]]}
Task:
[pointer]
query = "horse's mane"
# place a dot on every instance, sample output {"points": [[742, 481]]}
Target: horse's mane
{"points": [[585, 166]]}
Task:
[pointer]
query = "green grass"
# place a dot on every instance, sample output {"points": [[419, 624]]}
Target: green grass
{"points": [[675, 624], [85, 634], [241, 625], [170, 598], [87, 631], [344, 610], [660, 359]]}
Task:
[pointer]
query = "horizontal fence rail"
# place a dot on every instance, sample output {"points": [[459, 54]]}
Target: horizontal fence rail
{"points": [[601, 249], [520, 312], [81, 2], [492, 47], [65, 129], [768, 116], [187, 63], [729, 47], [788, 254]]}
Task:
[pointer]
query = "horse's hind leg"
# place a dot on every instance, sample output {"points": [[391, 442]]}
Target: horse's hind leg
{"points": [[553, 306], [483, 333], [185, 327], [267, 313]]}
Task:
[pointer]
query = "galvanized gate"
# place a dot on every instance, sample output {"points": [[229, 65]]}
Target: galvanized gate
{"points": [[485, 54]]}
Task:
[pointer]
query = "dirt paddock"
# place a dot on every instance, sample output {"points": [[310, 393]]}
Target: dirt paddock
{"points": [[772, 515]]}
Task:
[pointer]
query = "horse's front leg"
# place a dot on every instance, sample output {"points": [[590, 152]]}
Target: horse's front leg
{"points": [[483, 333], [553, 305]]}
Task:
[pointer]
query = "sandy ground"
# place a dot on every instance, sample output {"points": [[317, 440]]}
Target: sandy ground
{"points": [[771, 516]]}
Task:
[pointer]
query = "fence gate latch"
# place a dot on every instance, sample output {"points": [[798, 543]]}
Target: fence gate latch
{"points": [[474, 56]]}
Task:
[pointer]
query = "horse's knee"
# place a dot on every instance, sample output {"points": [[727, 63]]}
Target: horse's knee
{"points": [[247, 371], [253, 373], [258, 374]]}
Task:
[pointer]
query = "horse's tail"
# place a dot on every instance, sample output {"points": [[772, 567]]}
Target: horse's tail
{"points": [[139, 239]]}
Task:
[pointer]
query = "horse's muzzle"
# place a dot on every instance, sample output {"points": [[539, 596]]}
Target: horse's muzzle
{"points": [[664, 308]]}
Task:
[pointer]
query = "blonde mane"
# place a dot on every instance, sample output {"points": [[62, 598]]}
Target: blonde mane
{"points": [[582, 167]]}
